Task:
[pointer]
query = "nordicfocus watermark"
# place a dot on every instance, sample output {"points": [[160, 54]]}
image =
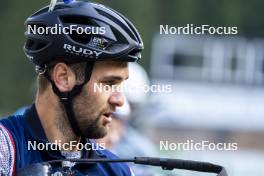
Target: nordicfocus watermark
{"points": [[155, 88], [58, 29], [198, 30], [58, 145], [191, 145]]}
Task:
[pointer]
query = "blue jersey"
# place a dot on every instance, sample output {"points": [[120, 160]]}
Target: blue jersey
{"points": [[18, 131]]}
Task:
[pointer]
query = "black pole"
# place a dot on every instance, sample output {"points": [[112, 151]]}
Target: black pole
{"points": [[164, 163]]}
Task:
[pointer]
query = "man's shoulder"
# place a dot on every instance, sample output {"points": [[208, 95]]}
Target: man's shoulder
{"points": [[15, 126], [13, 123]]}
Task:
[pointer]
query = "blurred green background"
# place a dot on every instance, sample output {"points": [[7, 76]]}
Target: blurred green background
{"points": [[17, 75]]}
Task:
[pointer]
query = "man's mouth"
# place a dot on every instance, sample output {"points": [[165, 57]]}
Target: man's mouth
{"points": [[108, 114], [107, 117]]}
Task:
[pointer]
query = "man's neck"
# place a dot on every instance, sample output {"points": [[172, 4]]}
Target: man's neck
{"points": [[54, 121]]}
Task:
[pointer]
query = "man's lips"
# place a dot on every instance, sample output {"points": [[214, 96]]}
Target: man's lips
{"points": [[108, 114], [107, 117]]}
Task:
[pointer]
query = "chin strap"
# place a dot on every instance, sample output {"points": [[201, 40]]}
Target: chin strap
{"points": [[66, 98]]}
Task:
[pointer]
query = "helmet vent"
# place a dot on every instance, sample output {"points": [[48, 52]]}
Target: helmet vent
{"points": [[135, 53], [118, 35], [81, 20], [134, 30], [33, 46], [40, 45], [76, 19], [114, 19], [80, 38], [29, 44]]}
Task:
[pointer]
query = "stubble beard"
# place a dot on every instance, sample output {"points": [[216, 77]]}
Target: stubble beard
{"points": [[86, 114]]}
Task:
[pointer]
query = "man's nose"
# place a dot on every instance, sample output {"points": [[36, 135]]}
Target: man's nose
{"points": [[117, 99]]}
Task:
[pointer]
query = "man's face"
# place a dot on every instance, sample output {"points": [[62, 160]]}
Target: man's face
{"points": [[93, 108]]}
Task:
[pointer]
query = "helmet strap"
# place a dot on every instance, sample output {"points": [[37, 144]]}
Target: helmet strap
{"points": [[66, 98]]}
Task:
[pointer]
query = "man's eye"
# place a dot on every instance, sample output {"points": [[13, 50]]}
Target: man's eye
{"points": [[110, 83]]}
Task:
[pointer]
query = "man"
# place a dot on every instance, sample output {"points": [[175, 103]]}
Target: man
{"points": [[123, 136], [67, 109]]}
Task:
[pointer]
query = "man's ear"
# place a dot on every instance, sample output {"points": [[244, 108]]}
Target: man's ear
{"points": [[63, 77]]}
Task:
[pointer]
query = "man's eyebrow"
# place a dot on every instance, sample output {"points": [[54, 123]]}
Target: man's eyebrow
{"points": [[119, 78]]}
